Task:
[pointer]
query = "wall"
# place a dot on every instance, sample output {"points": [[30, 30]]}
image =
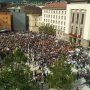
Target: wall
{"points": [[19, 21], [33, 22], [5, 21], [56, 18], [86, 33]]}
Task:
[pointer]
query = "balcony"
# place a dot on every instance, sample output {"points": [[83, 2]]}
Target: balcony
{"points": [[75, 35]]}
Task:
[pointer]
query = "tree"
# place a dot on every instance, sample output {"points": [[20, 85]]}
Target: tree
{"points": [[15, 75], [47, 29], [61, 76]]}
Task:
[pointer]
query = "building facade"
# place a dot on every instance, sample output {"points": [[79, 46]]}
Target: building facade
{"points": [[32, 14], [55, 14], [5, 20], [18, 19], [40, 21], [33, 22], [78, 23]]}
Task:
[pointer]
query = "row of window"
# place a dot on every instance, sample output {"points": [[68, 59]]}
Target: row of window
{"points": [[77, 16], [59, 32], [4, 22], [55, 11], [59, 28], [76, 31], [55, 16], [55, 22], [5, 17]]}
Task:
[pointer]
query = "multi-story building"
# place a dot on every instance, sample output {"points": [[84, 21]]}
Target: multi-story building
{"points": [[55, 14], [78, 22], [40, 21], [18, 19], [5, 21], [32, 14]]}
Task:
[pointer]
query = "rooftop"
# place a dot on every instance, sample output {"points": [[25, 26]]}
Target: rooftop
{"points": [[32, 10], [77, 1], [4, 7], [56, 5]]}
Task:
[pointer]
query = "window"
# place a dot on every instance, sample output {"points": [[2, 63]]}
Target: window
{"points": [[89, 44], [77, 18], [61, 28], [79, 41], [56, 17], [51, 16], [64, 28], [6, 17], [80, 31], [6, 22], [76, 31], [61, 22], [59, 12], [35, 24], [62, 12], [65, 12], [58, 22], [58, 27], [46, 20], [62, 17], [64, 23], [71, 29], [73, 18], [65, 18], [82, 19], [53, 21]]}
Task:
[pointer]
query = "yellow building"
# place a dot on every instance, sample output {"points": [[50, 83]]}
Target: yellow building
{"points": [[32, 17], [5, 20]]}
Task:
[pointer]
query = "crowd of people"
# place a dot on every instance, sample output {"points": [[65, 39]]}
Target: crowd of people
{"points": [[44, 49], [41, 48], [81, 64], [40, 44]]}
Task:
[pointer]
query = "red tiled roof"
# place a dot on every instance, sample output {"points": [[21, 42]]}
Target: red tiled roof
{"points": [[61, 5], [78, 0]]}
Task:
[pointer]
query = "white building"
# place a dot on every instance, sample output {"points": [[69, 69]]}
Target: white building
{"points": [[55, 14], [39, 21], [78, 22]]}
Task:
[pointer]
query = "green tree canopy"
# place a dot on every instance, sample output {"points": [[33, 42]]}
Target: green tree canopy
{"points": [[14, 74], [47, 29], [61, 77]]}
